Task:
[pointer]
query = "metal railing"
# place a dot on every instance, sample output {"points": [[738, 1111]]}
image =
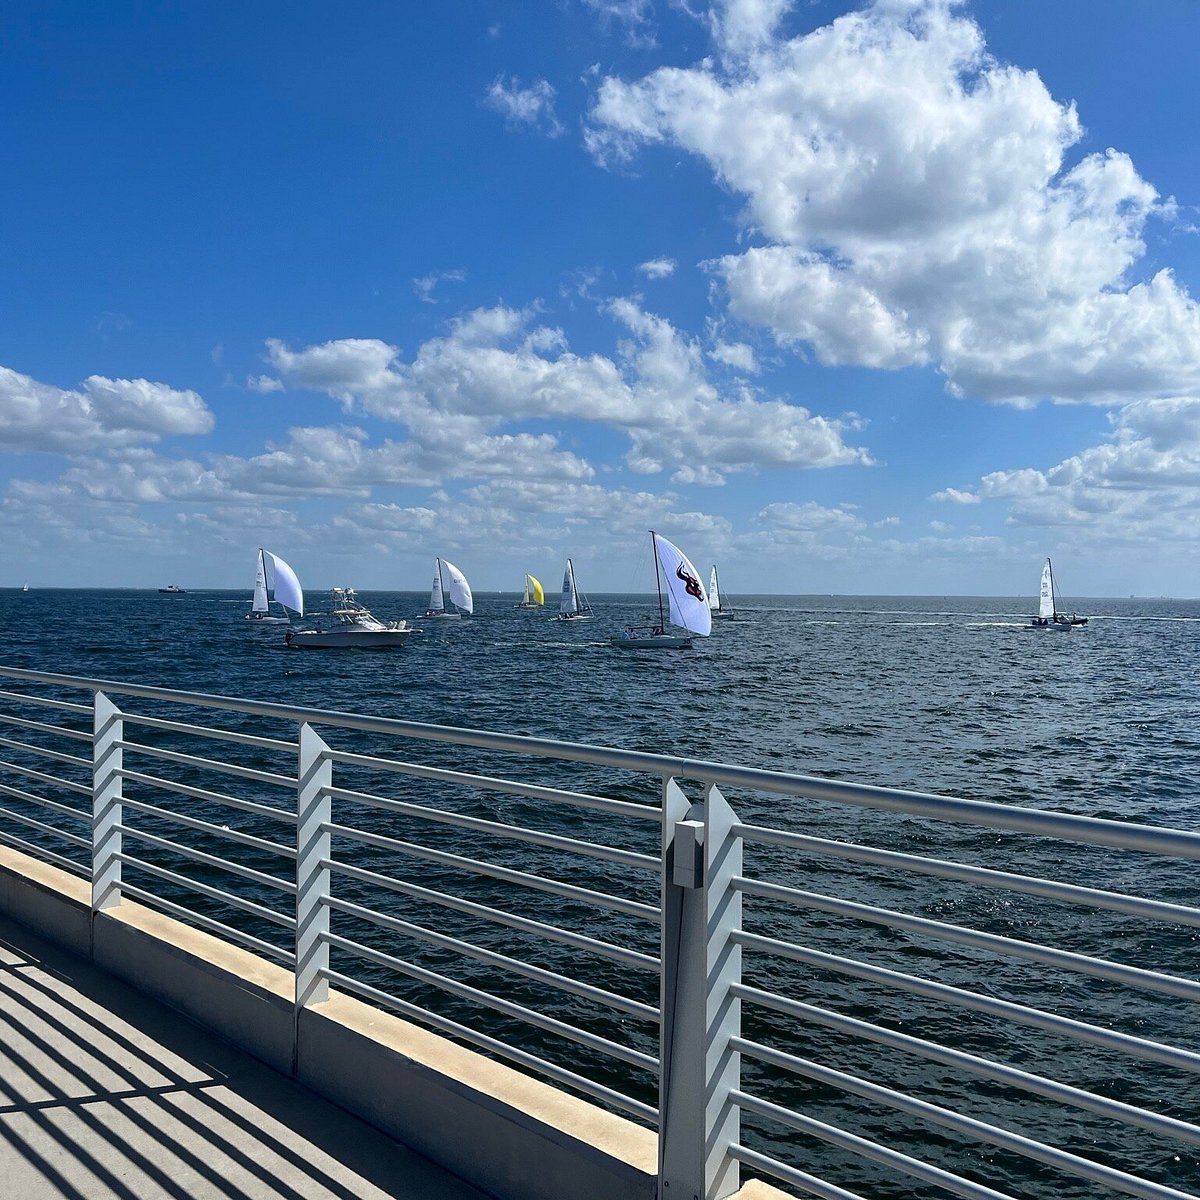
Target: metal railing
{"points": [[901, 991]]}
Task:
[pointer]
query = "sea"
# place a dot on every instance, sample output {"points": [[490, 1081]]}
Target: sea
{"points": [[950, 695]]}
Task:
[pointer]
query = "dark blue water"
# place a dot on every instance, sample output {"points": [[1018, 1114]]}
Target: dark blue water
{"points": [[944, 695]]}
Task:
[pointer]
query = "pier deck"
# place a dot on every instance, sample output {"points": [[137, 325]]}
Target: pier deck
{"points": [[107, 1093]]}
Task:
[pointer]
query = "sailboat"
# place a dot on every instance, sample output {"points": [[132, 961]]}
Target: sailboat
{"points": [[261, 606], [714, 596], [535, 594], [687, 603], [448, 578], [1049, 616], [574, 605]]}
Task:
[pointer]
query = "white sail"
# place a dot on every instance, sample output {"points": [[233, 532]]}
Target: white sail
{"points": [[570, 601], [689, 604], [1046, 597], [436, 602], [260, 584], [287, 587], [460, 589], [714, 591]]}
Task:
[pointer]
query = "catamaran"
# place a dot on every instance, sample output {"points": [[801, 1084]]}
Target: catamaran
{"points": [[687, 603], [714, 596], [261, 605], [1049, 616], [448, 578], [535, 594], [574, 605]]}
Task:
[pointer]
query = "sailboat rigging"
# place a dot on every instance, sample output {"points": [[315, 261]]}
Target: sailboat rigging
{"points": [[261, 605], [715, 603], [574, 605], [687, 604], [448, 578], [1049, 615], [534, 595]]}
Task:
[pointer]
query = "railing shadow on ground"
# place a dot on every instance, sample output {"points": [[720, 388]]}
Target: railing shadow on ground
{"points": [[106, 1092]]}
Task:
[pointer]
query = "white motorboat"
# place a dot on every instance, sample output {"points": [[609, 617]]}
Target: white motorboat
{"points": [[349, 624], [261, 605], [574, 605], [448, 578], [687, 603], [1049, 615]]}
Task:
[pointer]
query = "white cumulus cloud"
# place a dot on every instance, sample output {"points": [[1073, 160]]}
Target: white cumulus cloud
{"points": [[913, 200], [531, 106]]}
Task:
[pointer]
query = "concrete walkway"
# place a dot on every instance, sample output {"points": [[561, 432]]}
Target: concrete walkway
{"points": [[105, 1093]]}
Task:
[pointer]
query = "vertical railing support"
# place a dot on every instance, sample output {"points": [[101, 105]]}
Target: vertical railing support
{"points": [[314, 777], [108, 729], [698, 1120]]}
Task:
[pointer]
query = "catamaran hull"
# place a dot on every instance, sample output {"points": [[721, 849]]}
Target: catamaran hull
{"points": [[334, 639], [652, 641]]}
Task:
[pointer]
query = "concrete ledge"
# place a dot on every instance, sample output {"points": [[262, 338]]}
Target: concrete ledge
{"points": [[238, 995], [51, 901], [508, 1133]]}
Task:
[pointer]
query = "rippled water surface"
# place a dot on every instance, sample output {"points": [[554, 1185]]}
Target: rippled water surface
{"points": [[946, 695]]}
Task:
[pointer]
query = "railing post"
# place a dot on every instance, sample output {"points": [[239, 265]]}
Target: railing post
{"points": [[108, 729], [314, 808], [698, 1121]]}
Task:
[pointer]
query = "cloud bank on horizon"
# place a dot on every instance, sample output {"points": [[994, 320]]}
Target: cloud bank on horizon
{"points": [[908, 206]]}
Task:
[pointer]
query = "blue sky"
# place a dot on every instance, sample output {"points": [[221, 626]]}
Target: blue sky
{"points": [[884, 298]]}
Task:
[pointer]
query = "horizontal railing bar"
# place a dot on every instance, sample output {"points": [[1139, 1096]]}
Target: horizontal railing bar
{"points": [[845, 1140], [42, 827], [213, 893], [563, 983], [464, 991], [793, 1175], [515, 833], [82, 789], [1048, 956], [209, 731], [45, 752], [551, 1070], [972, 1127], [1043, 823], [232, 835], [45, 701], [36, 851], [631, 908], [77, 814], [194, 918], [984, 1068], [568, 937], [212, 860], [199, 793], [1068, 1027], [1051, 889], [208, 764], [491, 783], [79, 735]]}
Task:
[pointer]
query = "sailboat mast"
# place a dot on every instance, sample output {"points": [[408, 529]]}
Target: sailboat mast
{"points": [[1053, 593], [574, 594], [662, 621]]}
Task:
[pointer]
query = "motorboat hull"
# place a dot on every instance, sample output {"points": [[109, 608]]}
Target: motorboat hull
{"points": [[333, 639]]}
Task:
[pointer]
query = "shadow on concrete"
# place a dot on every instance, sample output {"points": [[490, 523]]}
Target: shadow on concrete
{"points": [[107, 1093]]}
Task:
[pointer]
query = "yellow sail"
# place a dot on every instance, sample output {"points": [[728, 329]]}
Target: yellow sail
{"points": [[538, 592]]}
